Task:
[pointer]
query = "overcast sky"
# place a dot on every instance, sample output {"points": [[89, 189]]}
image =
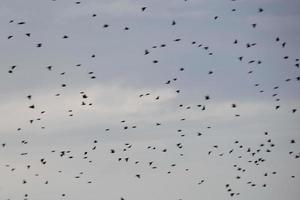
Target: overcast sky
{"points": [[123, 73]]}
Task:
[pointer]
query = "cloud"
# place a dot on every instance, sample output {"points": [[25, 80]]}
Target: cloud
{"points": [[109, 102]]}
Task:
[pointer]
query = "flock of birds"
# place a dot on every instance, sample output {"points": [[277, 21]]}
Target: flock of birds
{"points": [[254, 156]]}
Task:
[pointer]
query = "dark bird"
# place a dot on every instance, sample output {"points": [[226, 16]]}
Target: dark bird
{"points": [[283, 44], [32, 106], [260, 10]]}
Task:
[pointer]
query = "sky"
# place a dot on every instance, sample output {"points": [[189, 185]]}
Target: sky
{"points": [[204, 62]]}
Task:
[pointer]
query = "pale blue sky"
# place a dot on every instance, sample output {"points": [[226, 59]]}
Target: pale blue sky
{"points": [[123, 73]]}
